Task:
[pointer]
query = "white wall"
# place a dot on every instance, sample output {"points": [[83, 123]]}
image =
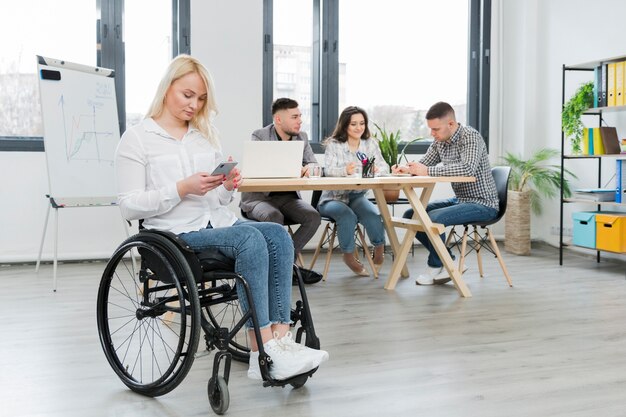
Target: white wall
{"points": [[538, 37], [84, 233]]}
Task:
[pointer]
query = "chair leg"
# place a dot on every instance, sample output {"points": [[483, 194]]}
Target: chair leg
{"points": [[463, 250], [366, 251], [299, 260], [479, 257], [319, 245], [494, 245], [450, 235], [329, 253]]}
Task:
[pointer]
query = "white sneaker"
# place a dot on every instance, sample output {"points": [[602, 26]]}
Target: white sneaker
{"points": [[254, 370], [435, 276], [287, 362], [428, 277], [316, 356]]}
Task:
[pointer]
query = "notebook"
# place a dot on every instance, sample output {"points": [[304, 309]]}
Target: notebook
{"points": [[610, 140], [272, 159]]}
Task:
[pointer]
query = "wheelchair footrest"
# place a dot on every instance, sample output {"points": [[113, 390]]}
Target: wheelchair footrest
{"points": [[296, 380]]}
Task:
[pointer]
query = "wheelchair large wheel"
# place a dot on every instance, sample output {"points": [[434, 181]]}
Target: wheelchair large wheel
{"points": [[149, 314], [227, 314]]}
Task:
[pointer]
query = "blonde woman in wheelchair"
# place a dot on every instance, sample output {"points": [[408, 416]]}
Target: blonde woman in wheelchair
{"points": [[165, 173]]}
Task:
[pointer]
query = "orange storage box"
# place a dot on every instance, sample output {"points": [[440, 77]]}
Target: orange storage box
{"points": [[611, 232]]}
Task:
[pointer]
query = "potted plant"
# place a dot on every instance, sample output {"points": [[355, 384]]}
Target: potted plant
{"points": [[572, 111], [530, 180], [388, 144]]}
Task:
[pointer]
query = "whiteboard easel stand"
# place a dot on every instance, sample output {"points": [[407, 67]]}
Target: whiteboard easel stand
{"points": [[53, 204]]}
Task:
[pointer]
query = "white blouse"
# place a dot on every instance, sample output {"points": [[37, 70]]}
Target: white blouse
{"points": [[149, 162]]}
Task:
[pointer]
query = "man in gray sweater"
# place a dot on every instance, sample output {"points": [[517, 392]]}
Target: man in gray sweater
{"points": [[280, 206]]}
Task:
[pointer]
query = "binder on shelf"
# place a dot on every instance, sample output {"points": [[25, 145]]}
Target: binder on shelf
{"points": [[598, 146], [596, 85], [620, 181], [590, 151], [619, 83], [602, 92], [610, 84], [610, 140], [584, 146]]}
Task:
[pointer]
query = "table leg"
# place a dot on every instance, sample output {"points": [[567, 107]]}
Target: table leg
{"points": [[421, 214], [391, 231]]}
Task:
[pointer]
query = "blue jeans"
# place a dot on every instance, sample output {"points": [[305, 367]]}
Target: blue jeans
{"points": [[263, 254], [359, 209], [450, 212]]}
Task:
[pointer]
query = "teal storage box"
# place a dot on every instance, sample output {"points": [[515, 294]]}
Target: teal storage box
{"points": [[584, 231]]}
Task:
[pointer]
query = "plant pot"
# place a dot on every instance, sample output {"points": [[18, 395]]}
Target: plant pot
{"points": [[391, 195], [517, 223]]}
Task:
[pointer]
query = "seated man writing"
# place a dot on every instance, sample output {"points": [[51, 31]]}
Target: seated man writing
{"points": [[277, 206], [457, 151]]}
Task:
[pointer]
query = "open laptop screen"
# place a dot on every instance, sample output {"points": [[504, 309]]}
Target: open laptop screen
{"points": [[272, 159]]}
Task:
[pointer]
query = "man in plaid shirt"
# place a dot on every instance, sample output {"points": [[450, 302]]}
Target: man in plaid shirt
{"points": [[457, 151]]}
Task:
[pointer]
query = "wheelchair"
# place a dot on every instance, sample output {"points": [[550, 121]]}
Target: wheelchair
{"points": [[155, 296]]}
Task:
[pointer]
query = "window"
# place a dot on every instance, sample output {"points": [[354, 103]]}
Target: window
{"points": [[292, 49], [413, 55], [148, 50], [25, 34], [89, 33], [394, 58]]}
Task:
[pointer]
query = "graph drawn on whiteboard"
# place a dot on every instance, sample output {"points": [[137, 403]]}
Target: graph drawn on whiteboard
{"points": [[81, 131], [84, 140]]}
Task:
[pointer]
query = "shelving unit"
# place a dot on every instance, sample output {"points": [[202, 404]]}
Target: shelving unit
{"points": [[598, 111]]}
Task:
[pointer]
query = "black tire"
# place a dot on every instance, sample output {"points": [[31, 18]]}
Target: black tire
{"points": [[148, 314], [226, 314], [219, 398]]}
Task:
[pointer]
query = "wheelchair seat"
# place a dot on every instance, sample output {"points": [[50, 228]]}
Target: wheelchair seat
{"points": [[155, 296], [214, 260]]}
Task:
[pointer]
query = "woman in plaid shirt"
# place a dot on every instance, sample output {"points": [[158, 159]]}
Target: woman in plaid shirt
{"points": [[350, 140], [457, 151]]}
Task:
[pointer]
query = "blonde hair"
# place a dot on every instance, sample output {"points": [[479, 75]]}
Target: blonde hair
{"points": [[178, 68]]}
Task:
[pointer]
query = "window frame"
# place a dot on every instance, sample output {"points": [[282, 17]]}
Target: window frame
{"points": [[109, 51]]}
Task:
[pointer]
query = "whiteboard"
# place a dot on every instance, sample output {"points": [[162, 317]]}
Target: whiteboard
{"points": [[81, 131]]}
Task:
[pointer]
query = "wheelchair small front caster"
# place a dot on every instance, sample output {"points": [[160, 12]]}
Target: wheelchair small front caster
{"points": [[219, 398]]}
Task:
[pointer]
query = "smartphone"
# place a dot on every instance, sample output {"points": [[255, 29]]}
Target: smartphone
{"points": [[224, 168]]}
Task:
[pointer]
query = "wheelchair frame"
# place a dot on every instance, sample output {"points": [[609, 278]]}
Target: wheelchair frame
{"points": [[154, 297]]}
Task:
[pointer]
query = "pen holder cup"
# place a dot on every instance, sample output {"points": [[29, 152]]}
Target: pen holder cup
{"points": [[368, 171]]}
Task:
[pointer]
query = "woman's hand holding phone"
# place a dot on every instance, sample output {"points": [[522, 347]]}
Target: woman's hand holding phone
{"points": [[199, 183], [232, 178]]}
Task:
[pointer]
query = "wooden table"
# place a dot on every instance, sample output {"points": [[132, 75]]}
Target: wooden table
{"points": [[420, 221]]}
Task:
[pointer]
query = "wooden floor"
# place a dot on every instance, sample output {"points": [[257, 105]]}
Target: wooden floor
{"points": [[553, 345]]}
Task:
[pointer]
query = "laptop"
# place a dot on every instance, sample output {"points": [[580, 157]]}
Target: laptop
{"points": [[272, 159]]}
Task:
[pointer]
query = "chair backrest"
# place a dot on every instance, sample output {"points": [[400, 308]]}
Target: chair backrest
{"points": [[501, 177]]}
